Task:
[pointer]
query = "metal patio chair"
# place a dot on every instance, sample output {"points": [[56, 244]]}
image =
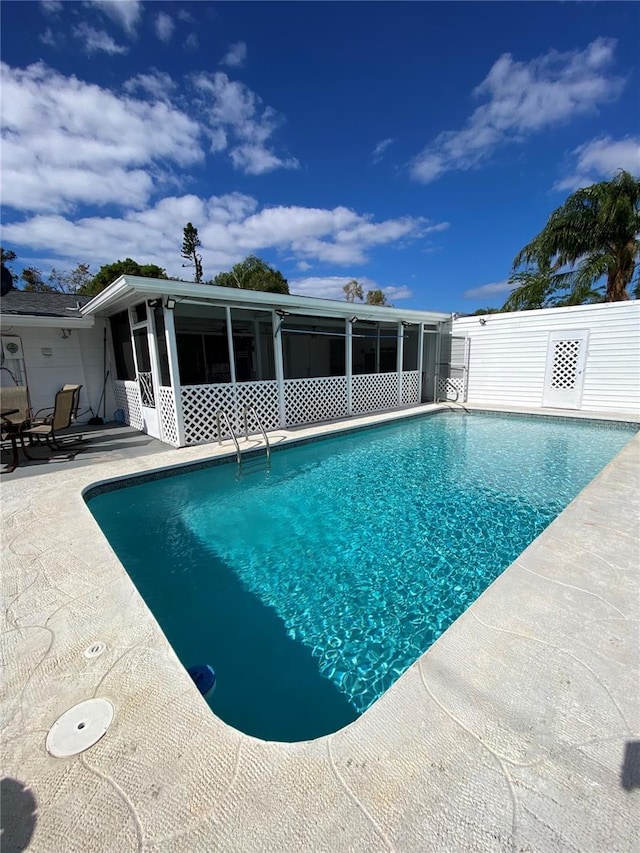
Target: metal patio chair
{"points": [[48, 427]]}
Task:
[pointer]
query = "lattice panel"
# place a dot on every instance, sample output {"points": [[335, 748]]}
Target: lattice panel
{"points": [[263, 397], [201, 403], [128, 399], [565, 364], [372, 392], [451, 389], [315, 399], [411, 387], [168, 416]]}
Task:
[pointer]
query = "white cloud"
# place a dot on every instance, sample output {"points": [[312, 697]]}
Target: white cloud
{"points": [[394, 293], [157, 85], [381, 147], [126, 13], [191, 42], [327, 286], [96, 41], [488, 290], [52, 7], [48, 38], [164, 27], [59, 148], [236, 55], [230, 227], [303, 266], [599, 160], [522, 99], [231, 107]]}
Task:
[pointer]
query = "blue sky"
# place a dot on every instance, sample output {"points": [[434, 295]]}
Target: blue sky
{"points": [[413, 146]]}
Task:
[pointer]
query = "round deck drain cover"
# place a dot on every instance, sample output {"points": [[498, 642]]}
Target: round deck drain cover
{"points": [[95, 650], [79, 728]]}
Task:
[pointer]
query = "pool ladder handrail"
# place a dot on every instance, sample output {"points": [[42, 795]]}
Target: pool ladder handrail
{"points": [[247, 410], [220, 416]]}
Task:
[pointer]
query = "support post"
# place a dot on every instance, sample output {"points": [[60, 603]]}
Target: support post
{"points": [[420, 358], [174, 373], [232, 356], [348, 350], [399, 357], [279, 365]]}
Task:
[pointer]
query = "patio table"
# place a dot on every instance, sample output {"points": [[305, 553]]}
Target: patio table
{"points": [[11, 434]]}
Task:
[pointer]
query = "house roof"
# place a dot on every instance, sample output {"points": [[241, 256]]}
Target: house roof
{"points": [[46, 304], [55, 310], [129, 289]]}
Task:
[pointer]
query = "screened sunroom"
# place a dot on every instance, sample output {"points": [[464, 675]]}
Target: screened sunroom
{"points": [[191, 362]]}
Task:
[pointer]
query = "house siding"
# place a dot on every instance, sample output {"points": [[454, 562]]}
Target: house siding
{"points": [[508, 355]]}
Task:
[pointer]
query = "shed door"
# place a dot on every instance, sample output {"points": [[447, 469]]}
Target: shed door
{"points": [[566, 359]]}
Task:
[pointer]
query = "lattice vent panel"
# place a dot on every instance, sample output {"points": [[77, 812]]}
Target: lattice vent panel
{"points": [[315, 399], [410, 387], [565, 364], [128, 399], [372, 392], [168, 416]]}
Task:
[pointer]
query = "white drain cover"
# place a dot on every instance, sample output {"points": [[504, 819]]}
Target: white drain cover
{"points": [[79, 728]]}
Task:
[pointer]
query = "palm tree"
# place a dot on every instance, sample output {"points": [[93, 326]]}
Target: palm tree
{"points": [[595, 233]]}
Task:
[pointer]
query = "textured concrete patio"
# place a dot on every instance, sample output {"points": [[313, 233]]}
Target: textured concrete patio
{"points": [[519, 730]]}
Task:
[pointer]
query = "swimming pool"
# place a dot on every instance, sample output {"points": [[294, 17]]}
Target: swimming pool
{"points": [[312, 586]]}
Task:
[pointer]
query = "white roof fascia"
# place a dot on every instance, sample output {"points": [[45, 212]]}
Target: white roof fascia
{"points": [[127, 287], [8, 321]]}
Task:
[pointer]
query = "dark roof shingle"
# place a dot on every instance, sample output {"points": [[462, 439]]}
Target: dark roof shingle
{"points": [[42, 304]]}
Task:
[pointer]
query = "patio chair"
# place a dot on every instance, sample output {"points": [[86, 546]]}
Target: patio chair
{"points": [[76, 402], [14, 400], [48, 427]]}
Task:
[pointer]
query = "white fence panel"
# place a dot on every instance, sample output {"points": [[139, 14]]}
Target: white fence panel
{"points": [[168, 416], [410, 387], [372, 392], [201, 404], [315, 399], [128, 399]]}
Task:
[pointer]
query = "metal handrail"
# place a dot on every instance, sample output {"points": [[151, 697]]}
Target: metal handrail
{"points": [[246, 411], [219, 416]]}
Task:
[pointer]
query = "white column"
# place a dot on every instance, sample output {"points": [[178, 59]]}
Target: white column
{"points": [[174, 373], [400, 355], [232, 356], [420, 358], [279, 365], [348, 350], [258, 348]]}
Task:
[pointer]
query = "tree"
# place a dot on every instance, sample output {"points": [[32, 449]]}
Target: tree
{"points": [[352, 291], [190, 244], [481, 311], [594, 233], [33, 281], [110, 272], [253, 274], [72, 281], [377, 297]]}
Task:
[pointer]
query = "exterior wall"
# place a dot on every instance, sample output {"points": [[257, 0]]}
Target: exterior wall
{"points": [[52, 360], [508, 355]]}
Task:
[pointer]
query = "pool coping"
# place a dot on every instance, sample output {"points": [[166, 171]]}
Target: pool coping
{"points": [[481, 744]]}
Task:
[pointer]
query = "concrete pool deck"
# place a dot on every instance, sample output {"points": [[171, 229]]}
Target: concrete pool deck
{"points": [[519, 730]]}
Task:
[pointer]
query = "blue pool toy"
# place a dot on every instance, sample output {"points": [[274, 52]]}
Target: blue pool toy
{"points": [[204, 677]]}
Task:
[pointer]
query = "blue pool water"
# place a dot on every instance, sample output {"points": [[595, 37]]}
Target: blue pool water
{"points": [[311, 587]]}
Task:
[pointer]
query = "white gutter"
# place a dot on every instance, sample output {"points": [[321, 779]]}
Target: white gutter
{"points": [[125, 288], [10, 321]]}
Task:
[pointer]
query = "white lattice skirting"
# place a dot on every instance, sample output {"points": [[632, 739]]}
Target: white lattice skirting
{"points": [[372, 392], [168, 418], [127, 396], [447, 389], [201, 403], [308, 401], [410, 388]]}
